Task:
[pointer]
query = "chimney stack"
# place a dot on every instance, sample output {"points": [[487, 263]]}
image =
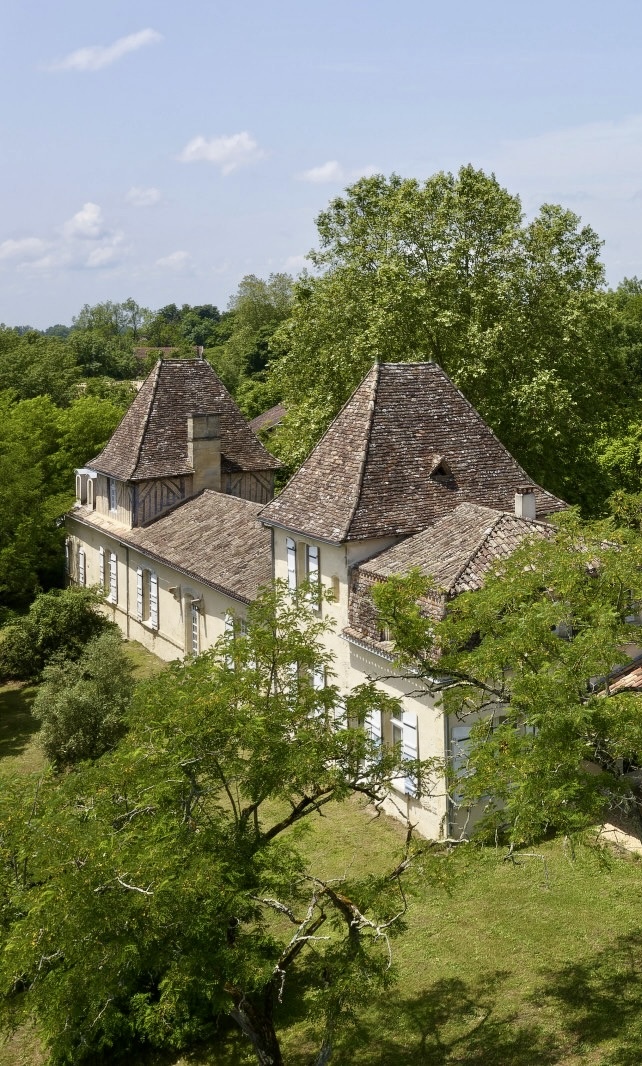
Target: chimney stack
{"points": [[204, 450], [525, 503]]}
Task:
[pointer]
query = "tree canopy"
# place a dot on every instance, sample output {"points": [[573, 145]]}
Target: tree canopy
{"points": [[449, 270]]}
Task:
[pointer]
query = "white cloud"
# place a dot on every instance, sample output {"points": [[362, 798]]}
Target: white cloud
{"points": [[333, 171], [141, 197], [86, 224], [97, 56], [295, 263], [228, 153], [175, 261], [25, 248]]}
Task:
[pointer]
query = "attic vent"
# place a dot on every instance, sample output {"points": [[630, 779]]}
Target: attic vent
{"points": [[441, 470]]}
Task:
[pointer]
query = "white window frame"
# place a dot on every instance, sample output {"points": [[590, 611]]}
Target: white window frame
{"points": [[153, 599], [113, 578], [140, 593], [404, 732], [290, 553], [82, 566], [112, 486], [67, 556], [101, 568], [313, 573], [195, 629]]}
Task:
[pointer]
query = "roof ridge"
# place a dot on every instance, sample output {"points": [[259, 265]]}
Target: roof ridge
{"points": [[141, 438], [476, 550], [372, 403]]}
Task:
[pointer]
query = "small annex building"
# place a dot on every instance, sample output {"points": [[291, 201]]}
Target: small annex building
{"points": [[176, 520]]}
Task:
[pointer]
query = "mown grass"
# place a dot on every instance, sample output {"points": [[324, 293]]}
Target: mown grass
{"points": [[536, 962]]}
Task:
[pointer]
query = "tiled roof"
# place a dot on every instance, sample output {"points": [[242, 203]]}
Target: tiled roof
{"points": [[457, 552], [212, 538], [459, 549], [376, 471], [627, 679], [151, 440], [269, 419]]}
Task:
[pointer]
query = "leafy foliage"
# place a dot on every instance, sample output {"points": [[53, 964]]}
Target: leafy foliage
{"points": [[59, 624], [448, 270], [81, 702], [171, 890]]}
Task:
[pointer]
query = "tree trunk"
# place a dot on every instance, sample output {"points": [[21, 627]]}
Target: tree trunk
{"points": [[255, 1020]]}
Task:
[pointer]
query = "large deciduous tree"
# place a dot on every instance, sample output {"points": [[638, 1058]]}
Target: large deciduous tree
{"points": [[164, 888], [448, 270]]}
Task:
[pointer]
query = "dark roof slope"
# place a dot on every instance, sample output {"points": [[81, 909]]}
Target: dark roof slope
{"points": [[459, 549], [269, 419], [211, 537], [151, 440], [406, 448]]}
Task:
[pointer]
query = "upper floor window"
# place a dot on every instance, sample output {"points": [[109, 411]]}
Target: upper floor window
{"points": [[82, 570], [290, 549], [195, 631], [113, 494]]}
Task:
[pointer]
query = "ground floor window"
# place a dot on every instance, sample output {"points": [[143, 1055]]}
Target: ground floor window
{"points": [[196, 628], [404, 732], [147, 596], [113, 578], [82, 567]]}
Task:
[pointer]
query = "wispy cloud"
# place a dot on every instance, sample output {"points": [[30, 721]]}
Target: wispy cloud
{"points": [[142, 197], [334, 172], [83, 242], [227, 153], [97, 56], [295, 263], [23, 249], [178, 261]]}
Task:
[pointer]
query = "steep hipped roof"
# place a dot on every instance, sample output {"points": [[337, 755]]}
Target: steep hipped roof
{"points": [[211, 537], [459, 549], [406, 448], [151, 440]]}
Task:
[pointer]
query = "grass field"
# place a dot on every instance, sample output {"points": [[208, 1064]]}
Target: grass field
{"points": [[531, 963]]}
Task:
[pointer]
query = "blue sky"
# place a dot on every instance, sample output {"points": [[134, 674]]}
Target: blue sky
{"points": [[162, 150]]}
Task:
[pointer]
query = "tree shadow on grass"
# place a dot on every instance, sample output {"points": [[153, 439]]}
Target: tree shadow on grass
{"points": [[601, 999], [452, 1021], [17, 724]]}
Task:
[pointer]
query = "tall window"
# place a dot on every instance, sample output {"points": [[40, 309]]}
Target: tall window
{"points": [[290, 548], [312, 573], [82, 569], [147, 596], [404, 733], [196, 628], [113, 494], [113, 578], [101, 567]]}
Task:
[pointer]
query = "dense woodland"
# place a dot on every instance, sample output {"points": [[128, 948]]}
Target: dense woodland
{"points": [[153, 891]]}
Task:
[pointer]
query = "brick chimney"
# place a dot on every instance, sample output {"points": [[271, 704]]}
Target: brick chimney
{"points": [[204, 450], [525, 503]]}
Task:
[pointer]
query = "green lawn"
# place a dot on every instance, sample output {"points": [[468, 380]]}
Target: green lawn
{"points": [[530, 963]]}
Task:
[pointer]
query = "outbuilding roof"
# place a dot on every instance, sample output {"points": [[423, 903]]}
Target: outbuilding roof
{"points": [[151, 440], [212, 538], [406, 449]]}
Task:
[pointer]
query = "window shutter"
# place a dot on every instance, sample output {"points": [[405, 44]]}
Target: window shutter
{"points": [[153, 600], [82, 574], [374, 726], [410, 748], [67, 555], [101, 567], [113, 578], [290, 547], [196, 629], [459, 748], [139, 593]]}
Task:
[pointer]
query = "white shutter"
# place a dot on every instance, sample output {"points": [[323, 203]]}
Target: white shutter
{"points": [[318, 683], [459, 748], [374, 726], [113, 578], [101, 568], [67, 555], [290, 547], [153, 600], [139, 593], [196, 629], [410, 748], [82, 573]]}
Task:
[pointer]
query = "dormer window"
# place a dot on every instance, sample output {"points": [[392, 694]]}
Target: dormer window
{"points": [[113, 494], [441, 470]]}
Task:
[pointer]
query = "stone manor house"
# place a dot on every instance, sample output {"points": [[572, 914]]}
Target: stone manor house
{"points": [[176, 520]]}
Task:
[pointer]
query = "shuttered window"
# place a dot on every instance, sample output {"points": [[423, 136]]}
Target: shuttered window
{"points": [[312, 573], [373, 726], [196, 629], [140, 607], [82, 571], [290, 548], [153, 600], [101, 568], [113, 578], [404, 733]]}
